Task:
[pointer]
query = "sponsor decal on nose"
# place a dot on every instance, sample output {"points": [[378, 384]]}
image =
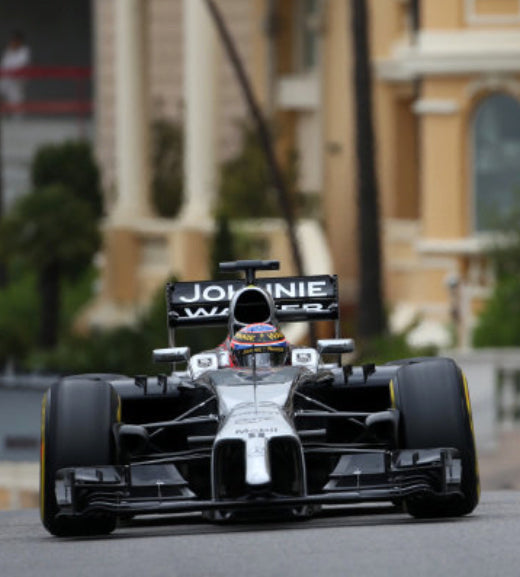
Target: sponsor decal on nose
{"points": [[257, 462]]}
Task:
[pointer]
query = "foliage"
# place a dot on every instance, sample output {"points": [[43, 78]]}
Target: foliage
{"points": [[18, 317], [48, 226], [56, 234], [104, 352], [498, 325], [246, 192], [77, 292], [308, 205], [167, 167], [223, 246], [245, 186], [72, 165], [51, 236], [390, 347], [505, 252], [123, 350]]}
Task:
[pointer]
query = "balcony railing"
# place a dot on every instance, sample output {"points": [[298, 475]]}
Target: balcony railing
{"points": [[76, 79]]}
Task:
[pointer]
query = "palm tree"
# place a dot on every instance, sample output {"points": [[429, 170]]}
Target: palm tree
{"points": [[371, 320], [55, 233], [264, 135]]}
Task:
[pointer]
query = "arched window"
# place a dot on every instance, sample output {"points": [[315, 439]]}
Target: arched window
{"points": [[496, 160]]}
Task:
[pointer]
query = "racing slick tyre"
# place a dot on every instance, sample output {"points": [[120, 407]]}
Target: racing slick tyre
{"points": [[433, 401], [77, 420]]}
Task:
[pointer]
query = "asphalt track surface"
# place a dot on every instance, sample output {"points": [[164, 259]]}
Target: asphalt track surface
{"points": [[366, 542]]}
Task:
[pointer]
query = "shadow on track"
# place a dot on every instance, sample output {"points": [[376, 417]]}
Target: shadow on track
{"points": [[195, 524]]}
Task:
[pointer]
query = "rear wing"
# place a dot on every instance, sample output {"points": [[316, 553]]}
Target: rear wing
{"points": [[296, 299]]}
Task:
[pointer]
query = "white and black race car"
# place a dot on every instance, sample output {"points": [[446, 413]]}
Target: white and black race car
{"points": [[231, 441]]}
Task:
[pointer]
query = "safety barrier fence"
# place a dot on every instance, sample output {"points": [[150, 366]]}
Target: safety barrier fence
{"points": [[494, 382], [20, 409]]}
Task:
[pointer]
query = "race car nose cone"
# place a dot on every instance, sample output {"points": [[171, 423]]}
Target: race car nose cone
{"points": [[257, 462]]}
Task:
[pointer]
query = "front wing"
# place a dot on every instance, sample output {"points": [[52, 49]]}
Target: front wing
{"points": [[154, 488]]}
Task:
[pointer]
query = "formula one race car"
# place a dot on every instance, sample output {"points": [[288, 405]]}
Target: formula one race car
{"points": [[231, 439]]}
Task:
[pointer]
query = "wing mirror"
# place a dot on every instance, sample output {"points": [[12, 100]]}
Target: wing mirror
{"points": [[335, 346], [172, 355]]}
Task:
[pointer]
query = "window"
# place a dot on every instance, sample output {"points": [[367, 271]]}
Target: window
{"points": [[496, 159], [308, 18]]}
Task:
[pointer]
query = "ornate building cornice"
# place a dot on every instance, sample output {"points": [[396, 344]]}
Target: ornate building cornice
{"points": [[452, 53]]}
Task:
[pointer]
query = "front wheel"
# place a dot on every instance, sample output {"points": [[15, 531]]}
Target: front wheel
{"points": [[78, 415], [435, 411]]}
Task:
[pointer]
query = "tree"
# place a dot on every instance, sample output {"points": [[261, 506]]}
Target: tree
{"points": [[72, 165], [371, 321], [262, 129], [124, 349], [56, 234], [245, 189], [223, 248], [498, 324], [18, 316], [167, 167]]}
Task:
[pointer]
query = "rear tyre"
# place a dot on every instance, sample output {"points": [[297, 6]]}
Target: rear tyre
{"points": [[77, 419], [435, 411], [107, 377], [414, 361]]}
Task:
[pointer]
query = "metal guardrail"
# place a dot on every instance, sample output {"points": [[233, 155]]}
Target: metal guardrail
{"points": [[32, 381], [20, 410], [507, 394], [494, 383]]}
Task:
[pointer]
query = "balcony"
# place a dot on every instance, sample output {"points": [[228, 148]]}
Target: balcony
{"points": [[299, 92], [57, 107]]}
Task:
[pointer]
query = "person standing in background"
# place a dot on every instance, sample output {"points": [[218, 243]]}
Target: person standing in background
{"points": [[16, 56]]}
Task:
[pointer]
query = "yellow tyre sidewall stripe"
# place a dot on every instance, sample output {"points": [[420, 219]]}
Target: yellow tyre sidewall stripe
{"points": [[392, 394], [470, 416]]}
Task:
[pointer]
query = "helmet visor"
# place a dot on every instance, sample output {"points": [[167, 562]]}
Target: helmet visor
{"points": [[261, 357]]}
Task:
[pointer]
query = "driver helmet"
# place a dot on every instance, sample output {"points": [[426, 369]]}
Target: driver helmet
{"points": [[261, 345]]}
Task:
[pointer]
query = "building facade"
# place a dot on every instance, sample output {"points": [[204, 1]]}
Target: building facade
{"points": [[447, 126], [447, 93]]}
